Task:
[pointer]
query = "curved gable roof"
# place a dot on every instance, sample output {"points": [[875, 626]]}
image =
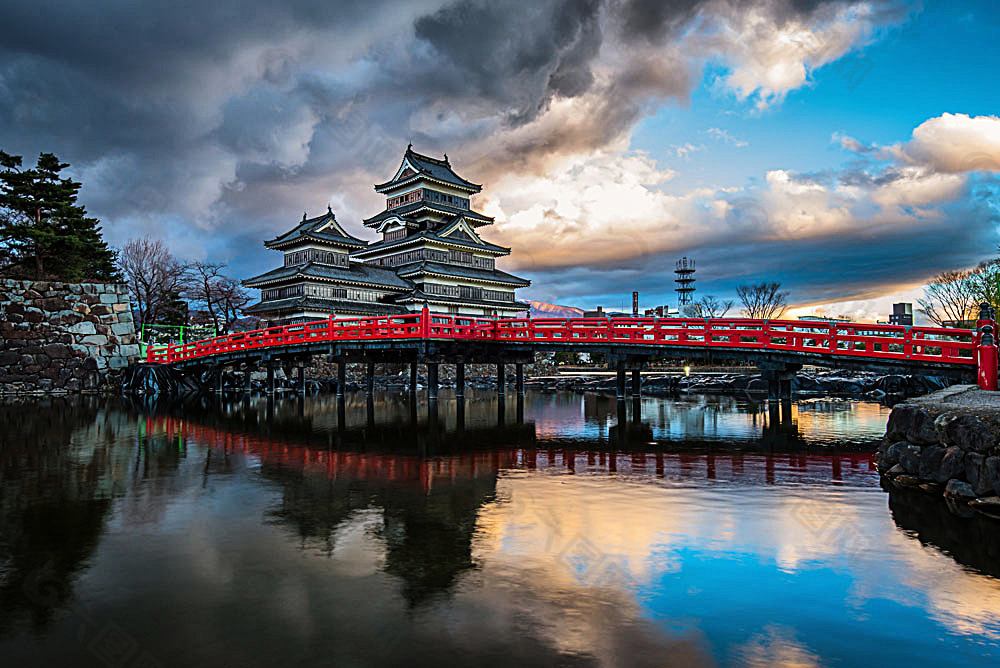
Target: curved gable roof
{"points": [[425, 165], [321, 228]]}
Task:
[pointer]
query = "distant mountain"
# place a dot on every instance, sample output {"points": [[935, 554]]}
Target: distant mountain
{"points": [[545, 310]]}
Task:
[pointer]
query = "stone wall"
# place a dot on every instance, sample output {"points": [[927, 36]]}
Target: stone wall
{"points": [[947, 443], [64, 337]]}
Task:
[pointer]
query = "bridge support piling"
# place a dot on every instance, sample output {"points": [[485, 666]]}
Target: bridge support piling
{"points": [[620, 385], [248, 379], [219, 378], [432, 381], [501, 379], [370, 378], [270, 379], [519, 378], [785, 389], [460, 380], [636, 383], [341, 378], [301, 382], [413, 378]]}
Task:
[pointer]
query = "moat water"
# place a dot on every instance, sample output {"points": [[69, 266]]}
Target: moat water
{"points": [[558, 531]]}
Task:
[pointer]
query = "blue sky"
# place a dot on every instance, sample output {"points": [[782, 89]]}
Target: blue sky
{"points": [[849, 148]]}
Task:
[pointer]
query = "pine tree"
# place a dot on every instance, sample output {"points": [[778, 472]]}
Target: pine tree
{"points": [[43, 231]]}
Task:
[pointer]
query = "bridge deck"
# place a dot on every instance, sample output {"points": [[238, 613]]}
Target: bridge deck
{"points": [[432, 337]]}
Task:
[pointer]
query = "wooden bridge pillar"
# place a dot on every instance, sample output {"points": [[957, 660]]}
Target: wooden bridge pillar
{"points": [[301, 383], [636, 382], [460, 380], [219, 379], [620, 385], [501, 379], [270, 379], [413, 378], [248, 380], [370, 378], [432, 381], [341, 377], [519, 378]]}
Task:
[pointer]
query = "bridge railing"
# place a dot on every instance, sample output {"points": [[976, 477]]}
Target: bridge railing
{"points": [[932, 344]]}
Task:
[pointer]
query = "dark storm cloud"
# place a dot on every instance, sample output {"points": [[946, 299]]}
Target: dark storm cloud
{"points": [[213, 124]]}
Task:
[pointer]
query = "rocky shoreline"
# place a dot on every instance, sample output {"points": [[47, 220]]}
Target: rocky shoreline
{"points": [[819, 383], [946, 444]]}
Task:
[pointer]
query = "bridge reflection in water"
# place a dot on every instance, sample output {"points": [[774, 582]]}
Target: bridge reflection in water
{"points": [[376, 531]]}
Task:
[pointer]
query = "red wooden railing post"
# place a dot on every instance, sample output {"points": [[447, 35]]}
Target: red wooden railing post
{"points": [[425, 322], [987, 360]]}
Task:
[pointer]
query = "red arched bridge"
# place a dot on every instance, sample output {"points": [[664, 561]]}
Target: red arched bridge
{"points": [[778, 347]]}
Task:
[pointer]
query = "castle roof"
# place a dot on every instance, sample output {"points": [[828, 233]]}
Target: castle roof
{"points": [[425, 267], [428, 235], [357, 272], [416, 166], [323, 304], [322, 229], [405, 212]]}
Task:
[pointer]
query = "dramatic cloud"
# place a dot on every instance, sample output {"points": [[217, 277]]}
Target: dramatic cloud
{"points": [[213, 125]]}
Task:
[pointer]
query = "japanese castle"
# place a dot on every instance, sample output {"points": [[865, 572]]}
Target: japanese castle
{"points": [[430, 253]]}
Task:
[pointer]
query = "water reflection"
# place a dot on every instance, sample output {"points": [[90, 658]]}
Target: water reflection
{"points": [[560, 531]]}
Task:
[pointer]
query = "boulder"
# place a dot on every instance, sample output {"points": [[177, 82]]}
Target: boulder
{"points": [[911, 423], [952, 465], [959, 489], [966, 431], [930, 462], [909, 459], [992, 467], [975, 473], [895, 451]]}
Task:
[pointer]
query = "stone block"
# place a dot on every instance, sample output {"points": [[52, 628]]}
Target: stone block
{"points": [[959, 489], [952, 465], [100, 309], [117, 362], [930, 461], [52, 304], [94, 340], [130, 350], [109, 298], [122, 307], [57, 351], [911, 423], [84, 328], [8, 358], [122, 328], [966, 431], [975, 473], [909, 459], [992, 467]]}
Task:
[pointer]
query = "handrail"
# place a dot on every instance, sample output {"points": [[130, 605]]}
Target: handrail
{"points": [[927, 344]]}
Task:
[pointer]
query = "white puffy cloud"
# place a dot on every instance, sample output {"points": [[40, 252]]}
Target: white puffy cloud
{"points": [[953, 144]]}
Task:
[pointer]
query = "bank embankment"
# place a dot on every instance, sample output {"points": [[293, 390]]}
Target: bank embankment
{"points": [[947, 444]]}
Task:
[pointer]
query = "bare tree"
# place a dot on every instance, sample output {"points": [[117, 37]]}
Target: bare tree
{"points": [[762, 300], [155, 278], [221, 296], [953, 295], [232, 299], [708, 307]]}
